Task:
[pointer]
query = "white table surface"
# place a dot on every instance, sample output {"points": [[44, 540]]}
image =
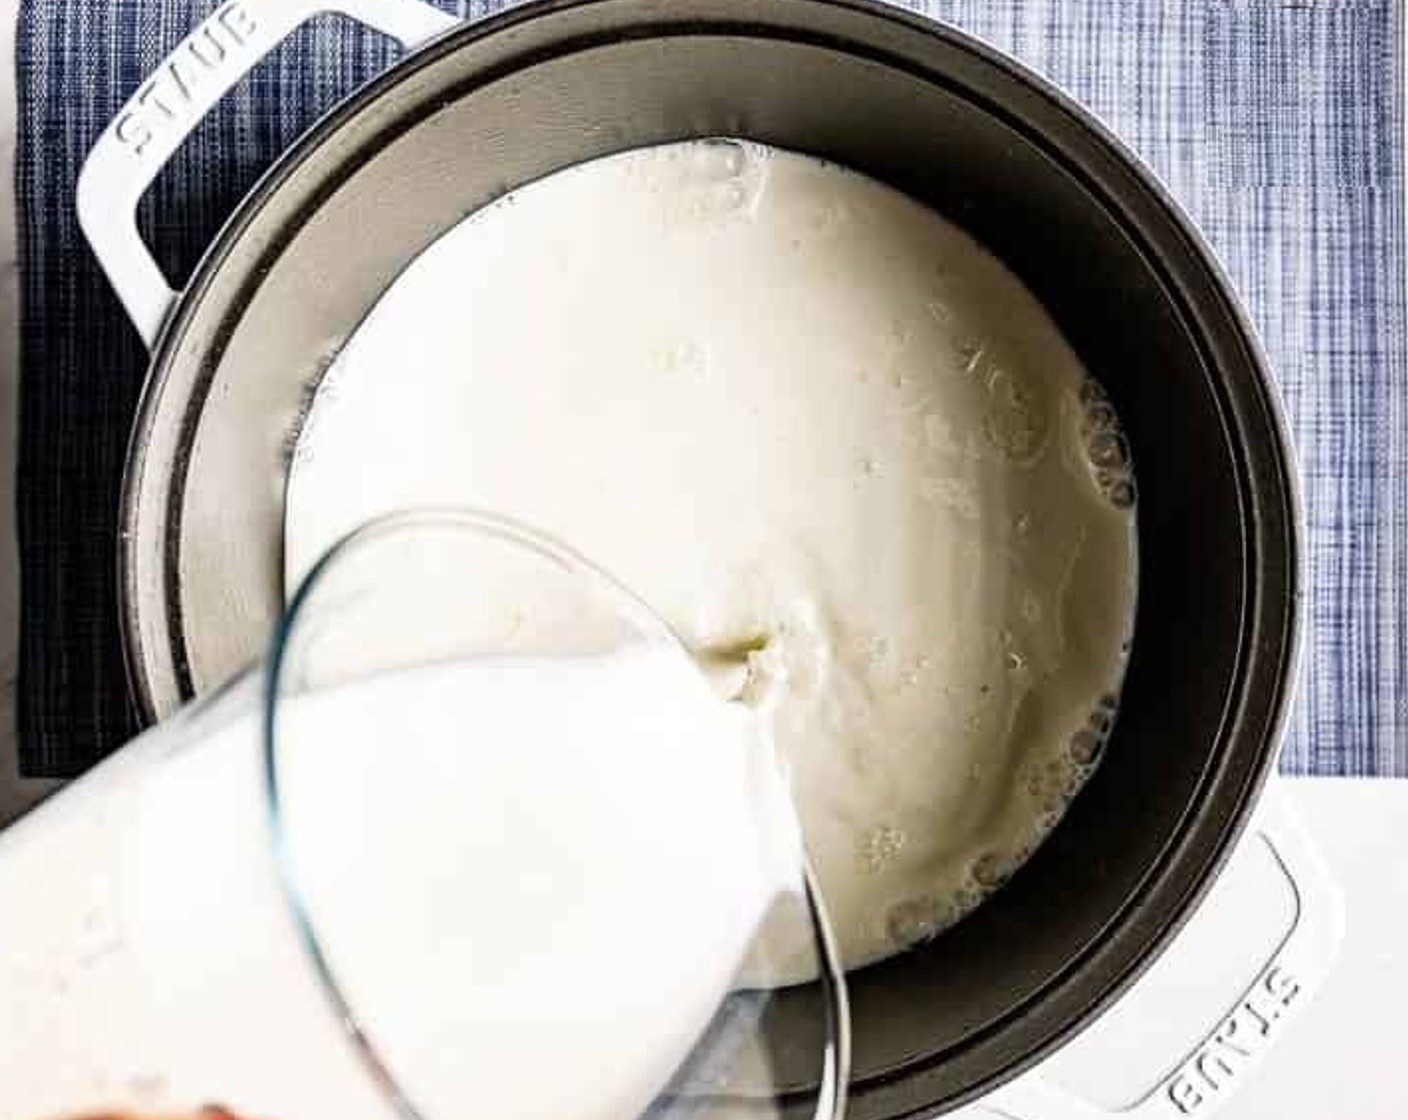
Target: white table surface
{"points": [[1347, 1059]]}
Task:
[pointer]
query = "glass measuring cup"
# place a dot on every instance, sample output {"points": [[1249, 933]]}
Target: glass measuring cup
{"points": [[568, 1005], [324, 891]]}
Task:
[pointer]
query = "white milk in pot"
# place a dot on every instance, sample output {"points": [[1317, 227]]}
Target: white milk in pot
{"points": [[826, 435]]}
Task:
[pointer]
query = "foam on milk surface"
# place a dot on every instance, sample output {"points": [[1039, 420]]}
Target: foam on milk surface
{"points": [[486, 923], [830, 439]]}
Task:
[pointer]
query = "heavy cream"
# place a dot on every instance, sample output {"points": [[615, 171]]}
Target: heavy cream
{"points": [[833, 441], [515, 947]]}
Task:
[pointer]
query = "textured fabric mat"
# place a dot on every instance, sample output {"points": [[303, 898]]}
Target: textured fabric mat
{"points": [[1277, 124]]}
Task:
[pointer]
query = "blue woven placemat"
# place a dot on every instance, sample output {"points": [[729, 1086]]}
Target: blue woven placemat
{"points": [[1278, 125]]}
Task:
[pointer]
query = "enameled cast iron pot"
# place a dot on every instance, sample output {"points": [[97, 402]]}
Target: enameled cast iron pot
{"points": [[479, 110]]}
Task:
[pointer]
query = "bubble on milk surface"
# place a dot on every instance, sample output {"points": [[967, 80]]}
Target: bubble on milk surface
{"points": [[1105, 445]]}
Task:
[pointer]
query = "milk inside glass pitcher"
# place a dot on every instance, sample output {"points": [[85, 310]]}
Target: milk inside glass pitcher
{"points": [[479, 838]]}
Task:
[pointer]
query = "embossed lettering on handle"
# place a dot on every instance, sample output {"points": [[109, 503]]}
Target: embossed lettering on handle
{"points": [[170, 98], [168, 105], [1205, 1076]]}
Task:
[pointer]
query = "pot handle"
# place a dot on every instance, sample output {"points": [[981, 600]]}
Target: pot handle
{"points": [[1202, 1078], [161, 114]]}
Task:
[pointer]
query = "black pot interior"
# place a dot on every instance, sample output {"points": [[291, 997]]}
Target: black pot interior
{"points": [[946, 122]]}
